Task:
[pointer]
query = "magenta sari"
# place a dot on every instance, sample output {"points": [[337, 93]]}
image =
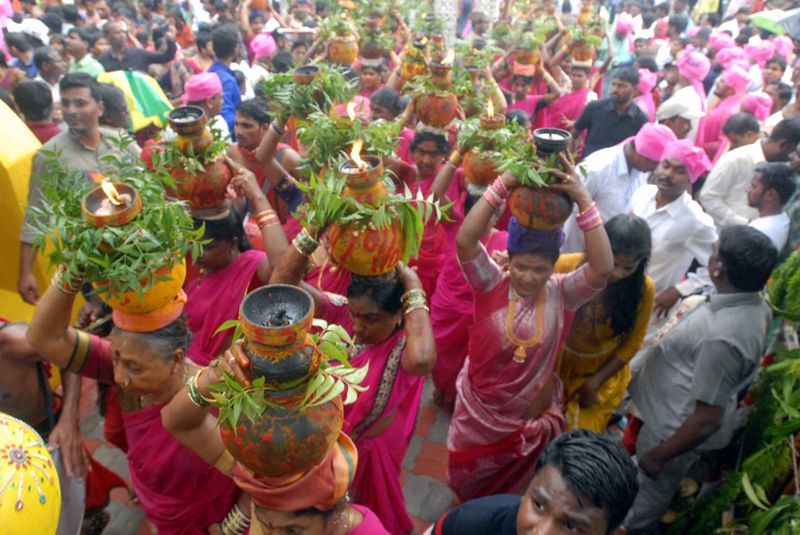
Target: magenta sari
{"points": [[214, 299], [451, 317], [646, 104], [710, 137], [380, 422], [179, 492], [566, 107], [493, 448]]}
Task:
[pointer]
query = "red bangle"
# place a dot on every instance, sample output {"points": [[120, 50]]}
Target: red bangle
{"points": [[500, 188]]}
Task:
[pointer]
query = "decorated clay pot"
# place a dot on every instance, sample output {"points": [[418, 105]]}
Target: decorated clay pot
{"points": [[189, 122], [414, 61], [440, 75], [550, 140], [277, 317], [158, 296], [305, 74], [527, 57], [30, 491], [202, 190], [370, 48], [284, 441], [100, 212], [479, 168], [437, 110], [582, 52], [366, 251], [540, 208], [364, 185], [342, 49]]}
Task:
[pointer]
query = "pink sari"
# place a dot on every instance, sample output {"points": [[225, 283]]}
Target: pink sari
{"points": [[493, 448], [451, 317], [179, 492], [709, 132], [214, 299], [392, 396], [568, 106], [646, 104]]}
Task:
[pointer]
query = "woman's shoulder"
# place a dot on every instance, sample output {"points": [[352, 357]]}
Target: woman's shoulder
{"points": [[370, 523]]}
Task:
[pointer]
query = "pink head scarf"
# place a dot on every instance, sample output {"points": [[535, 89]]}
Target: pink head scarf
{"points": [[201, 87], [651, 140], [263, 46], [759, 104], [693, 158], [737, 78], [783, 47], [727, 55], [647, 80], [721, 40], [760, 51], [694, 66], [624, 24]]}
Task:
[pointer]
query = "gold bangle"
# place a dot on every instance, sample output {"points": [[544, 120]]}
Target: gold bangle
{"points": [[411, 309], [412, 293], [455, 158]]}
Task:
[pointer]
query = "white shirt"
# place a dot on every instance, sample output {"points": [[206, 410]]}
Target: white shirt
{"points": [[611, 185], [731, 26], [776, 227], [54, 89], [681, 232], [724, 195]]}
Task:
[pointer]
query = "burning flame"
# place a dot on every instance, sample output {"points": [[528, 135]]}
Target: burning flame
{"points": [[448, 59], [355, 154], [111, 192], [490, 109], [351, 110]]}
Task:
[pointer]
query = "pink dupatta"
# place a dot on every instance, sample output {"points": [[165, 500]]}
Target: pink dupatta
{"points": [[568, 106], [214, 299], [710, 137]]}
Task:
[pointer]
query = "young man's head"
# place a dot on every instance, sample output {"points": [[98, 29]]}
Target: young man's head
{"points": [[204, 45], [743, 259], [584, 483], [640, 46], [225, 40], [480, 22], [676, 25], [783, 140], [386, 103], [623, 85], [299, 49], [34, 100], [521, 85], [741, 129], [79, 41], [773, 69], [251, 123], [204, 90], [780, 93], [772, 186], [115, 109], [49, 63], [743, 15], [81, 103], [579, 75], [18, 45]]}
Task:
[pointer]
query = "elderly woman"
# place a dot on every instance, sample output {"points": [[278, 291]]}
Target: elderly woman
{"points": [[508, 404], [389, 320], [315, 503]]}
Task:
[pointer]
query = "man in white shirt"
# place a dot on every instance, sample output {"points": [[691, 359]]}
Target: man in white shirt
{"points": [[681, 231], [724, 194], [678, 115], [613, 174], [51, 67], [772, 186]]}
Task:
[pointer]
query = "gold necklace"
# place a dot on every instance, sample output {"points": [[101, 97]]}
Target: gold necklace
{"points": [[538, 330]]}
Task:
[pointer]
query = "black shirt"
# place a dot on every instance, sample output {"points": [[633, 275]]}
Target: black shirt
{"points": [[137, 59], [605, 127], [492, 515]]}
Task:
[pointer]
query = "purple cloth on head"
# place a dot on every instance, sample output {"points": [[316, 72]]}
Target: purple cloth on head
{"points": [[525, 240]]}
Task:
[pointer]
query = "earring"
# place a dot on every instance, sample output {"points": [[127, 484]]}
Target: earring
{"points": [[716, 273]]}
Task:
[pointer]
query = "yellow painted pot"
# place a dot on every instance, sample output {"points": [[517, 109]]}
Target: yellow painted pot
{"points": [[30, 492], [158, 296]]}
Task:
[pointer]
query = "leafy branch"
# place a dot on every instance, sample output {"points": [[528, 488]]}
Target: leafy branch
{"points": [[290, 99], [529, 167]]}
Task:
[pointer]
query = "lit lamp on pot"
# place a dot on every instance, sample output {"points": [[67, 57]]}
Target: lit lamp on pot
{"points": [[111, 204], [361, 173], [440, 71], [489, 120]]}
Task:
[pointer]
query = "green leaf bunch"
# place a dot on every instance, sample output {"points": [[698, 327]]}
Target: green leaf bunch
{"points": [[337, 25], [531, 35], [527, 165], [331, 136], [784, 287], [119, 259], [510, 138], [167, 157], [585, 34], [290, 99]]}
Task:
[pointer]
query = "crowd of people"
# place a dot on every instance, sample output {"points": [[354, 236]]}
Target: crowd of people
{"points": [[644, 313]]}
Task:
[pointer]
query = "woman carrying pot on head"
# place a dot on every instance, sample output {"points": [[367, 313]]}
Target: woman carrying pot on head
{"points": [[230, 268], [388, 318], [608, 330], [508, 403], [145, 357], [314, 503]]}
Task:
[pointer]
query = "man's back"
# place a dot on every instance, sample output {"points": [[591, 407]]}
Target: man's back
{"points": [[605, 127], [724, 194]]}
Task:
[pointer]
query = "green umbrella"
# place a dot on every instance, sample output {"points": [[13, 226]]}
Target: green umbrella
{"points": [[769, 20]]}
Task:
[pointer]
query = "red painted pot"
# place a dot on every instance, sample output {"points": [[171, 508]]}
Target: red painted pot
{"points": [[284, 441], [205, 189], [343, 50], [540, 208], [277, 318], [479, 168], [365, 251], [437, 110]]}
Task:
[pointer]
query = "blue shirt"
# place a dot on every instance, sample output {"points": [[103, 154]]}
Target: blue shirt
{"points": [[29, 69], [231, 95]]}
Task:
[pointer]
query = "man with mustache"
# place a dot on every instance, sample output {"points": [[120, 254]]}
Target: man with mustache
{"points": [[82, 147]]}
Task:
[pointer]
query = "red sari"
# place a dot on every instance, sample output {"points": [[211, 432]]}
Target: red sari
{"points": [[493, 448], [392, 395], [214, 299], [451, 317], [178, 491]]}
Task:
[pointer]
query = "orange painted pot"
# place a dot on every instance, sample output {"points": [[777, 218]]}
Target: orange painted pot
{"points": [[540, 208], [479, 168], [277, 317], [527, 57], [118, 215], [583, 52], [364, 185], [158, 296], [305, 74], [366, 251], [284, 441], [343, 49], [437, 110], [203, 190]]}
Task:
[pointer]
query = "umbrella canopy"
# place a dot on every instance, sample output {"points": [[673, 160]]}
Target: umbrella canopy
{"points": [[791, 23], [769, 20]]}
